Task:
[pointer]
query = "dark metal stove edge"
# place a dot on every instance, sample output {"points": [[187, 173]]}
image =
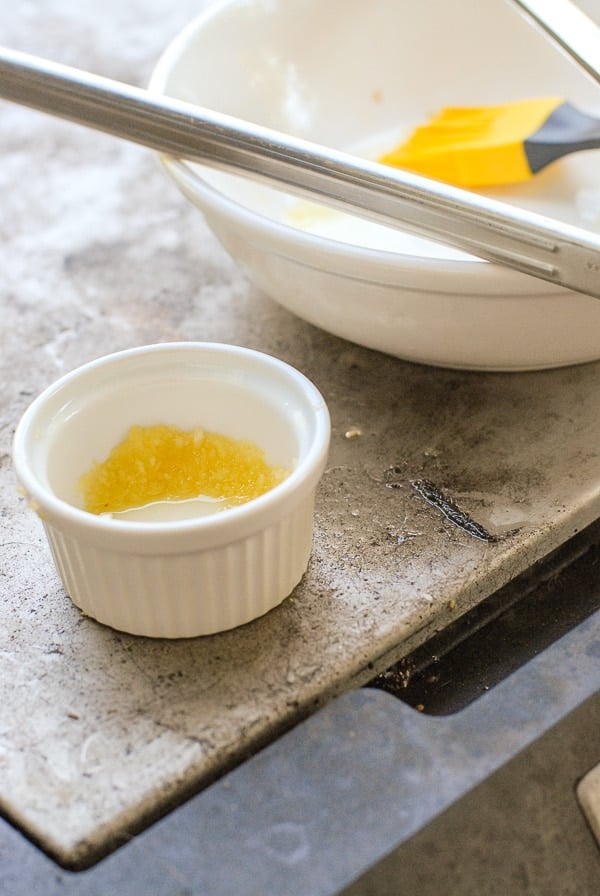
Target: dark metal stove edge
{"points": [[503, 632]]}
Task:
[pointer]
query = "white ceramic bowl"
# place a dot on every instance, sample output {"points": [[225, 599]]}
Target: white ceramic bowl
{"points": [[190, 577], [357, 76]]}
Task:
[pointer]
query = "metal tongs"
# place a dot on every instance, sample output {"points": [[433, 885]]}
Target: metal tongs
{"points": [[562, 254]]}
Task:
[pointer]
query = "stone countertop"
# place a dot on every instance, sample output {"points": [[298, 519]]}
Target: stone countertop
{"points": [[101, 731]]}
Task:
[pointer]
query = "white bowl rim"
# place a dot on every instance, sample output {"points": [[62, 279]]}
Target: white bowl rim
{"points": [[479, 277], [246, 517]]}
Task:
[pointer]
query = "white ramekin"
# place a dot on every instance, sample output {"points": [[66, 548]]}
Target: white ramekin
{"points": [[191, 577]]}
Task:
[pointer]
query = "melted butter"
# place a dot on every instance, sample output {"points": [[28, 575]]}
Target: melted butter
{"points": [[168, 511], [161, 473]]}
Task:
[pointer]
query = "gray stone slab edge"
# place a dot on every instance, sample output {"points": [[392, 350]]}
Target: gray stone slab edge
{"points": [[315, 809]]}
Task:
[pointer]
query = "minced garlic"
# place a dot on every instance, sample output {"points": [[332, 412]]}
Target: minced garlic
{"points": [[163, 463]]}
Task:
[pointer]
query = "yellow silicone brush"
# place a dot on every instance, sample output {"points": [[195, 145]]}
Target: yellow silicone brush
{"points": [[493, 145]]}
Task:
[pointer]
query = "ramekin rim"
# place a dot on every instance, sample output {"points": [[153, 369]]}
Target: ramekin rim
{"points": [[50, 506]]}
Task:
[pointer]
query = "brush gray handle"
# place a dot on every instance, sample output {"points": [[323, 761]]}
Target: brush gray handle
{"points": [[550, 250]]}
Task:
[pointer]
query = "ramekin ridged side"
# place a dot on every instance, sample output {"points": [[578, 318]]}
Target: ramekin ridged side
{"points": [[191, 594]]}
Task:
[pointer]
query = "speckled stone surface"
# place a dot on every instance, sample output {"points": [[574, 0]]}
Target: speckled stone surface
{"points": [[100, 731]]}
